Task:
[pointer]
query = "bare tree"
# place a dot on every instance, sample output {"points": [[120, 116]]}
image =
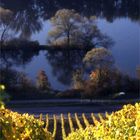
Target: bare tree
{"points": [[5, 23]]}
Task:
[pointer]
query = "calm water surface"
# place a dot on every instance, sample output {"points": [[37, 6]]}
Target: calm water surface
{"points": [[116, 18], [126, 49]]}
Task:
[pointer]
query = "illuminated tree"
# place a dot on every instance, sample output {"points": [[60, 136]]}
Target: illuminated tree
{"points": [[98, 58], [65, 23], [101, 61], [70, 29], [42, 81], [78, 79]]}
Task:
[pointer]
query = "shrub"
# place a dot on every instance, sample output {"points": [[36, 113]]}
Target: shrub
{"points": [[120, 125], [22, 43], [42, 81], [3, 96], [23, 127]]}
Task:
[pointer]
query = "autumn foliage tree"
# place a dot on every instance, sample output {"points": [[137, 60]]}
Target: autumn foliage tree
{"points": [[78, 79], [101, 61], [104, 78], [42, 81], [103, 85]]}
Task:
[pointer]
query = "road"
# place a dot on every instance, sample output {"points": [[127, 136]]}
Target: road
{"points": [[66, 109], [65, 106]]}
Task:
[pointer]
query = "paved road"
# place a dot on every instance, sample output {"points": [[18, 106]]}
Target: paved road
{"points": [[62, 109], [73, 100], [64, 106]]}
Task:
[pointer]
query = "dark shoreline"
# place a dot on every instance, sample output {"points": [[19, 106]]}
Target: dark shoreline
{"points": [[44, 47]]}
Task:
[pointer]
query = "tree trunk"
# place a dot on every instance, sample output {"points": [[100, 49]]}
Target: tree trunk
{"points": [[68, 39], [2, 37]]}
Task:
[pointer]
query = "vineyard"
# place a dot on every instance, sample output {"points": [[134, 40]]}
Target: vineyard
{"points": [[120, 125], [61, 126]]}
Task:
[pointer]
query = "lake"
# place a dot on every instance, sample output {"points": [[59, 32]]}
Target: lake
{"points": [[118, 19]]}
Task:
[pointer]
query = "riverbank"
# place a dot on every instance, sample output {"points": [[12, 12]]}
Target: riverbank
{"points": [[43, 47]]}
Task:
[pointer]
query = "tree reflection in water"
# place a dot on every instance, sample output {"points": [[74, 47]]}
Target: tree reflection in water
{"points": [[29, 14], [64, 63], [9, 61], [19, 57], [26, 19]]}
